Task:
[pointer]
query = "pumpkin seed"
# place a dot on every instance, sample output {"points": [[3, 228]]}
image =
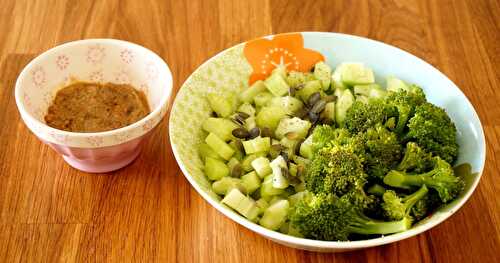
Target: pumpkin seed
{"points": [[253, 133], [243, 115], [241, 133], [237, 171], [315, 97], [266, 132], [319, 106]]}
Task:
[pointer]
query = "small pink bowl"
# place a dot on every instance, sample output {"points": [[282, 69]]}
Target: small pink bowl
{"points": [[94, 60]]}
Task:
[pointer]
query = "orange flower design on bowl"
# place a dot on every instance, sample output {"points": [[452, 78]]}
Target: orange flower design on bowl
{"points": [[286, 50]]}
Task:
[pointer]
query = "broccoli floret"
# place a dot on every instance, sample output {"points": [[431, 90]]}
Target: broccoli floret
{"points": [[383, 151], [335, 169], [402, 104], [396, 208], [322, 136], [328, 217], [376, 190], [361, 116], [415, 159], [441, 178], [432, 129], [424, 206]]}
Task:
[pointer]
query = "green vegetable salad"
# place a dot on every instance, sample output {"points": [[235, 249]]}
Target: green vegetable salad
{"points": [[331, 156]]}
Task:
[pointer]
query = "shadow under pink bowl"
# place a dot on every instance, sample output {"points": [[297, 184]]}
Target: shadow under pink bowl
{"points": [[103, 159]]}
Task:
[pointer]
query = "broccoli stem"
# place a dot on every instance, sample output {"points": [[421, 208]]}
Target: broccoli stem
{"points": [[402, 180], [376, 189], [362, 224], [410, 200]]}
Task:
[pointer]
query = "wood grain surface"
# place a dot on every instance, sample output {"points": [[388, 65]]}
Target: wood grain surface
{"points": [[148, 212]]}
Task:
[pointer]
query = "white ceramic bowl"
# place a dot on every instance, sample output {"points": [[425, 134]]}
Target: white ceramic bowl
{"points": [[94, 60], [230, 70]]}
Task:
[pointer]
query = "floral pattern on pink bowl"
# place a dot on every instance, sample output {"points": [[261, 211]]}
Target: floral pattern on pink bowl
{"points": [[93, 60]]}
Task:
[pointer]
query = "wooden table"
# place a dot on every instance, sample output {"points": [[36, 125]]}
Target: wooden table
{"points": [[148, 212]]}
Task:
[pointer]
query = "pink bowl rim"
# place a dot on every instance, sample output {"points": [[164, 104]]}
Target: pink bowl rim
{"points": [[164, 100]]}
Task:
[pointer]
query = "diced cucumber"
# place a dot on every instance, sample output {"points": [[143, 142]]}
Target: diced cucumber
{"points": [[337, 79], [277, 85], [338, 92], [249, 93], [306, 148], [290, 104], [328, 114], [215, 169], [370, 91], [219, 146], [395, 84], [221, 127], [276, 199], [262, 204], [206, 151], [223, 185], [344, 102], [259, 144], [356, 74], [310, 88], [251, 182], [261, 166], [296, 125], [275, 215], [297, 197], [291, 146], [267, 189], [270, 117], [247, 108], [262, 98], [223, 106], [280, 70], [242, 204], [279, 180], [296, 78], [250, 123], [246, 164], [323, 72]]}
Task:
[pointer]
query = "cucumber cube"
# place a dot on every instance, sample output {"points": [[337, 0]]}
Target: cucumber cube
{"points": [[275, 215], [215, 169], [277, 85], [297, 197], [262, 204], [259, 144], [395, 84], [328, 114], [323, 72], [221, 105], [205, 151], [242, 204], [296, 125], [370, 91], [296, 78], [247, 108], [262, 99], [249, 93], [310, 88], [225, 184], [246, 164], [357, 74], [306, 148], [270, 117], [337, 79], [221, 127], [267, 189], [261, 166], [251, 182], [279, 180], [219, 146], [289, 103], [250, 123], [344, 102]]}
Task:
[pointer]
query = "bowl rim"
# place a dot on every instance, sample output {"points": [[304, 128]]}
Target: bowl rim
{"points": [[157, 110], [320, 244]]}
